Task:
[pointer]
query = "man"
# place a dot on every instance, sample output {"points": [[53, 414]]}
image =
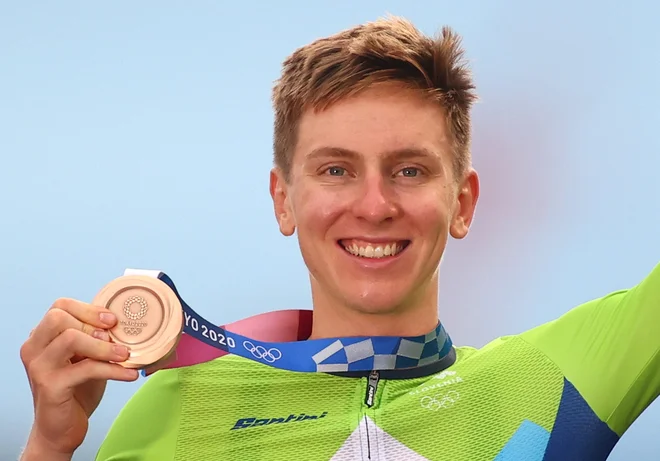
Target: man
{"points": [[373, 173]]}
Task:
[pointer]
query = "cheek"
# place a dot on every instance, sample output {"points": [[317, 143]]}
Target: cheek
{"points": [[316, 212], [432, 218]]}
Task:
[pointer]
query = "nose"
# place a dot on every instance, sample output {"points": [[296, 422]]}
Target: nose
{"points": [[376, 201]]}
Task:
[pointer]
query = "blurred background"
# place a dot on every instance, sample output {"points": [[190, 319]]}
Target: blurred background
{"points": [[138, 134]]}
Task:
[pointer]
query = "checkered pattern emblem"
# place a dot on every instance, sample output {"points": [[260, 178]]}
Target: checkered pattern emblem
{"points": [[383, 353]]}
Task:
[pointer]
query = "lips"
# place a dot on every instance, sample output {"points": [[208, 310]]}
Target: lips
{"points": [[372, 249]]}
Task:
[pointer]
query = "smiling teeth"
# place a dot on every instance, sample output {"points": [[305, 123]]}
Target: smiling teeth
{"points": [[378, 251]]}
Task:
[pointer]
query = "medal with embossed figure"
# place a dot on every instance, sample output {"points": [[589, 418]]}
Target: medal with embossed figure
{"points": [[150, 319]]}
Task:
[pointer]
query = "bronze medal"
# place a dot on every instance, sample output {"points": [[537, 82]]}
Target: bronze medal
{"points": [[150, 318]]}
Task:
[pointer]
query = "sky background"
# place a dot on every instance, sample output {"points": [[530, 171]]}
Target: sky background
{"points": [[138, 134]]}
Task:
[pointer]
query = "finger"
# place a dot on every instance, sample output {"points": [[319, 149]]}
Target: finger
{"points": [[60, 382], [52, 325], [69, 313], [74, 343], [96, 316], [30, 350], [88, 370], [101, 335]]}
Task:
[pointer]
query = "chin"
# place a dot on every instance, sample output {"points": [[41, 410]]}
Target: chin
{"points": [[381, 303]]}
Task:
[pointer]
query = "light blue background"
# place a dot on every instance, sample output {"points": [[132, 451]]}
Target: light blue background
{"points": [[139, 134]]}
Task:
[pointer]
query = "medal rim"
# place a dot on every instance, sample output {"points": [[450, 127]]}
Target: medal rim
{"points": [[163, 342]]}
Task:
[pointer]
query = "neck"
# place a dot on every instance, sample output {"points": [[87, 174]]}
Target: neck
{"points": [[335, 319]]}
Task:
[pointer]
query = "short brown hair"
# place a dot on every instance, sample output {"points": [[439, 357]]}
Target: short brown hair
{"points": [[388, 50]]}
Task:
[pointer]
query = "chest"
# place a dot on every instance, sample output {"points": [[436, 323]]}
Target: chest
{"points": [[515, 406], [457, 414]]}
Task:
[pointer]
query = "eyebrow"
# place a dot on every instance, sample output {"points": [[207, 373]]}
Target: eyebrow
{"points": [[399, 154]]}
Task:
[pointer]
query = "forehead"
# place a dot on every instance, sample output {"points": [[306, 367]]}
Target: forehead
{"points": [[381, 121]]}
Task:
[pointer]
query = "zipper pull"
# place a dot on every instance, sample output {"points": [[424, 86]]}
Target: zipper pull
{"points": [[372, 387]]}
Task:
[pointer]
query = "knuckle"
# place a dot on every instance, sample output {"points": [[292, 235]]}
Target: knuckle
{"points": [[102, 350], [40, 381], [69, 337], [56, 316], [25, 353], [86, 328], [33, 371], [62, 303]]}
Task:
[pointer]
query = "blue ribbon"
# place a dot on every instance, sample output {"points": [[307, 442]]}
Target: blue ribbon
{"points": [[328, 355]]}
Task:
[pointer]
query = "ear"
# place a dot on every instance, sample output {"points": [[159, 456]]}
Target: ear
{"points": [[466, 203], [280, 195]]}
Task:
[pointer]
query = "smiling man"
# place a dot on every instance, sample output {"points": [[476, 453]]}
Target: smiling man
{"points": [[373, 174], [373, 188]]}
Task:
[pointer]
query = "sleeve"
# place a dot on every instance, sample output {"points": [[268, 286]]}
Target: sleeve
{"points": [[146, 428], [608, 349]]}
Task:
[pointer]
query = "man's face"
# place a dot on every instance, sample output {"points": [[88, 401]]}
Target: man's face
{"points": [[373, 197]]}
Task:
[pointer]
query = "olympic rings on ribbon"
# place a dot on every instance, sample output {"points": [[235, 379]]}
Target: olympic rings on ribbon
{"points": [[259, 352]]}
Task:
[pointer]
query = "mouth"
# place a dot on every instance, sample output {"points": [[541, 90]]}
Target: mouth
{"points": [[373, 250]]}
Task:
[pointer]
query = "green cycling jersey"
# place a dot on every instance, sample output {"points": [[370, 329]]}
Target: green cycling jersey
{"points": [[566, 390]]}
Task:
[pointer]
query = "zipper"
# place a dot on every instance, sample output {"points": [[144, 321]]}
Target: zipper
{"points": [[372, 387], [369, 401]]}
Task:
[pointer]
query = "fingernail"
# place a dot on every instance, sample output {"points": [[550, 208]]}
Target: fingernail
{"points": [[121, 351], [132, 374], [101, 334], [107, 318]]}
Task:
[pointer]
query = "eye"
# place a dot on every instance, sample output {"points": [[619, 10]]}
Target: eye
{"points": [[336, 171], [410, 172]]}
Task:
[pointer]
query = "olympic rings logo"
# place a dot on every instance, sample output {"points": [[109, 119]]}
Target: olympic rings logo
{"points": [[260, 352], [439, 401]]}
